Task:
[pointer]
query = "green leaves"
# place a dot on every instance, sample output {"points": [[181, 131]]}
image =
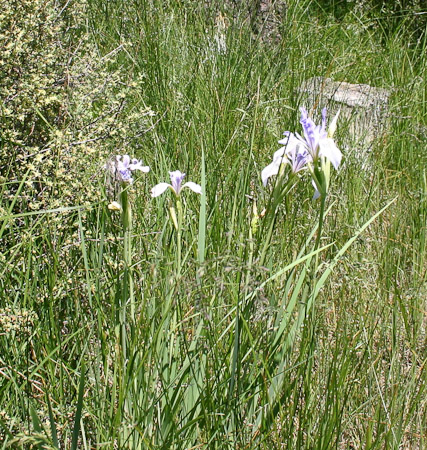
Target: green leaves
{"points": [[289, 323]]}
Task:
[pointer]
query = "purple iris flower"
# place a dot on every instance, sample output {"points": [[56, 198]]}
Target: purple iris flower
{"points": [[125, 166], [176, 179], [298, 151], [292, 153], [298, 158], [316, 139]]}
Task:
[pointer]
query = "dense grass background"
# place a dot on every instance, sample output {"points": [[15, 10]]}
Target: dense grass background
{"points": [[221, 351]]}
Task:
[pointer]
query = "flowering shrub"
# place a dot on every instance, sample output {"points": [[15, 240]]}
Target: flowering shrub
{"points": [[30, 93], [64, 110], [61, 115]]}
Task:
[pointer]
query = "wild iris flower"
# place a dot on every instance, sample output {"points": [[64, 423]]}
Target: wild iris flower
{"points": [[295, 155], [176, 179], [125, 166], [317, 140], [298, 151]]}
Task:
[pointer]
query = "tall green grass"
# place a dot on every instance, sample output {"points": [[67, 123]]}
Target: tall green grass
{"points": [[227, 352]]}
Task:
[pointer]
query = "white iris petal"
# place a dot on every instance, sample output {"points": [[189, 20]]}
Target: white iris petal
{"points": [[176, 186], [158, 189], [193, 186]]}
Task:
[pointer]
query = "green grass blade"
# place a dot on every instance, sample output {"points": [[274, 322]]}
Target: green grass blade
{"points": [[52, 423], [78, 416], [36, 424], [201, 244], [85, 259], [337, 257]]}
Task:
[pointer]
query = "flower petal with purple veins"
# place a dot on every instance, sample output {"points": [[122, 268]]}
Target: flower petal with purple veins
{"points": [[176, 186], [298, 158], [123, 168], [299, 151], [324, 119], [309, 129], [176, 180]]}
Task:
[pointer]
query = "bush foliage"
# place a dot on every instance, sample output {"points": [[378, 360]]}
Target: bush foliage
{"points": [[65, 108]]}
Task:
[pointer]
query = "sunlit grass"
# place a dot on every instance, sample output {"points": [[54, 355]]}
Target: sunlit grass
{"points": [[225, 346]]}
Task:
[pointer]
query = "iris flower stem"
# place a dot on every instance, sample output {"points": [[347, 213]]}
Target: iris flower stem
{"points": [[178, 237], [313, 276], [250, 259], [128, 291], [127, 285], [320, 228], [267, 241], [278, 194]]}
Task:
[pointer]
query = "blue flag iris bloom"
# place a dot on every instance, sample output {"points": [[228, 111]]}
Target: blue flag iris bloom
{"points": [[176, 185], [124, 166], [299, 151]]}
